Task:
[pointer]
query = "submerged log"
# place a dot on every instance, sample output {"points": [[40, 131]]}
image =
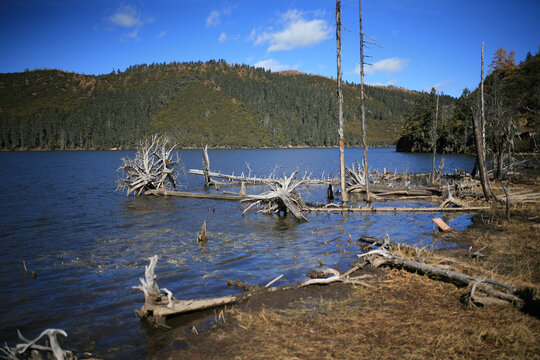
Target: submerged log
{"points": [[192, 195]]}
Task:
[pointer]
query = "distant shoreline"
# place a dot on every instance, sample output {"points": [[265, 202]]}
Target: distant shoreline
{"points": [[200, 148]]}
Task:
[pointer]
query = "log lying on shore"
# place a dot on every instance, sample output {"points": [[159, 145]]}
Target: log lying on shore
{"points": [[157, 306], [384, 257]]}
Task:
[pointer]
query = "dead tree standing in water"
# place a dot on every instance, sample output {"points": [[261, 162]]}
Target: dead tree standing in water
{"points": [[344, 195], [362, 101]]}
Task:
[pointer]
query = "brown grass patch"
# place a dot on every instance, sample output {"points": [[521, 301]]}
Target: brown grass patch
{"points": [[406, 317]]}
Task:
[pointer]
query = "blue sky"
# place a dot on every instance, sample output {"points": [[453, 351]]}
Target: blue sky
{"points": [[424, 43]]}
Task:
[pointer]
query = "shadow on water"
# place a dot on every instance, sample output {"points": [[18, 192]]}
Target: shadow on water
{"points": [[89, 244]]}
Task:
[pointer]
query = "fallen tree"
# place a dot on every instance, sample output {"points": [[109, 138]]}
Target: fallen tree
{"points": [[494, 289], [153, 167], [30, 349], [159, 304]]}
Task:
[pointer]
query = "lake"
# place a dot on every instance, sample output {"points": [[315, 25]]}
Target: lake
{"points": [[89, 243]]}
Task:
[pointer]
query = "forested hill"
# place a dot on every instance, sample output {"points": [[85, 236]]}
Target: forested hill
{"points": [[197, 103], [512, 108]]}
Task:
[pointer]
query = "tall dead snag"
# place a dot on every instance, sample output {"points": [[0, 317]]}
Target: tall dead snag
{"points": [[362, 101], [434, 139], [479, 137], [152, 168], [344, 195]]}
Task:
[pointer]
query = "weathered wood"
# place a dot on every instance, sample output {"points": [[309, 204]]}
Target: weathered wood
{"points": [[284, 193], [404, 190], [382, 257], [256, 180], [206, 166], [344, 195], [362, 104], [22, 351], [161, 306], [186, 194], [152, 168], [395, 209]]}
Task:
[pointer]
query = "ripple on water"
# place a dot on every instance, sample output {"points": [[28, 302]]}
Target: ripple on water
{"points": [[90, 244]]}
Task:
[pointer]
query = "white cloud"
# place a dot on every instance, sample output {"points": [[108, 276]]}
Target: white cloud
{"points": [[296, 32], [128, 17], [222, 37], [161, 34], [251, 35], [388, 83], [271, 64], [389, 65], [438, 86], [215, 16]]}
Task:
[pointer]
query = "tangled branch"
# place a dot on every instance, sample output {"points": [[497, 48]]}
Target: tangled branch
{"points": [[152, 168]]}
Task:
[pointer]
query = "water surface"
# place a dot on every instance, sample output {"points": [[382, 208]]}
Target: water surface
{"points": [[89, 243]]}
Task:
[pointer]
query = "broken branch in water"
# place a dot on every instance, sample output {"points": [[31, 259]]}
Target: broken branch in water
{"points": [[23, 349]]}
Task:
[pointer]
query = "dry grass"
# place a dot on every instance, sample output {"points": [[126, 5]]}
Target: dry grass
{"points": [[404, 316]]}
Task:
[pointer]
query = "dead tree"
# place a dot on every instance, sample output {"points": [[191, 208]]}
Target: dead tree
{"points": [[344, 195], [30, 349], [206, 166], [152, 168], [282, 197], [479, 137], [434, 139], [362, 101]]}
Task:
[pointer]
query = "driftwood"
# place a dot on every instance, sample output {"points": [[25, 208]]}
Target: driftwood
{"points": [[394, 209], [192, 195], [397, 190], [383, 257], [152, 168], [157, 307], [24, 350], [282, 197], [257, 180]]}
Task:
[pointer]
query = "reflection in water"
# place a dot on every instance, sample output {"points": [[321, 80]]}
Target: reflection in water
{"points": [[89, 244]]}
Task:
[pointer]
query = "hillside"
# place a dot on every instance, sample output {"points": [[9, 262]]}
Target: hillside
{"points": [[512, 108], [197, 103]]}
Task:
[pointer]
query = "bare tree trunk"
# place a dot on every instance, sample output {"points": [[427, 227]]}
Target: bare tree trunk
{"points": [[480, 138], [344, 195], [483, 112], [362, 105], [206, 166], [434, 140]]}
